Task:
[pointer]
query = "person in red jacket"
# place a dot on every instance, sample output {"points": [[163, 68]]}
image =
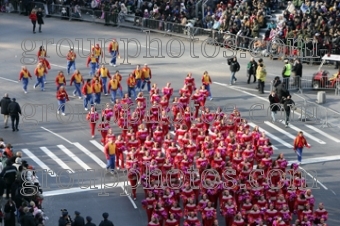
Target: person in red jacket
{"points": [[40, 71], [97, 89], [92, 117], [88, 94], [46, 65], [78, 80], [114, 51], [71, 60], [23, 76], [299, 143], [60, 80], [33, 18], [62, 98], [97, 53]]}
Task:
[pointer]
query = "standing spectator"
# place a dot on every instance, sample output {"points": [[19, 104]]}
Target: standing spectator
{"points": [[299, 143], [262, 74], [297, 69], [234, 67], [33, 18], [40, 16], [9, 213], [78, 220], [251, 69], [89, 221], [14, 110], [106, 222], [288, 104], [274, 104], [286, 72], [4, 108], [9, 174]]}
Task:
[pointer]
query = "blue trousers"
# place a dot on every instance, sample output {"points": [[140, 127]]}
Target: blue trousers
{"points": [[139, 85], [77, 90], [24, 83], [113, 95], [40, 82], [132, 92], [98, 58], [44, 78], [88, 100], [147, 81], [232, 78], [207, 87], [61, 105], [299, 154], [114, 57], [59, 85], [69, 65], [93, 67], [104, 81], [111, 162], [96, 97]]}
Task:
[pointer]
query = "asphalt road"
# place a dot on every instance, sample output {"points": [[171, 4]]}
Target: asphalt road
{"points": [[56, 143]]}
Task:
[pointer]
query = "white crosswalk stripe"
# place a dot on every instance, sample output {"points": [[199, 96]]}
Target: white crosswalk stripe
{"points": [[90, 154]]}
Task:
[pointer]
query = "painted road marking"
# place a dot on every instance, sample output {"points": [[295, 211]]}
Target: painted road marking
{"points": [[323, 133], [273, 137], [91, 155], [58, 66], [39, 162], [9, 80], [56, 159], [74, 157], [98, 145], [57, 135], [304, 133]]}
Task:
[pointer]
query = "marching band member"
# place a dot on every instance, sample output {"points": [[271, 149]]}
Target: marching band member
{"points": [[60, 80], [104, 73], [46, 65], [120, 148], [103, 128], [206, 81], [112, 89], [168, 90], [97, 89], [146, 77], [131, 83], [97, 53], [23, 76], [110, 154], [78, 80], [62, 98], [42, 52], [114, 51], [133, 176], [190, 83], [92, 117], [88, 94], [92, 60], [171, 221], [40, 71], [137, 73], [118, 77], [71, 60]]}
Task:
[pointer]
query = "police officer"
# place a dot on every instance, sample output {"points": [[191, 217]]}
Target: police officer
{"points": [[89, 221], [78, 220], [286, 72]]}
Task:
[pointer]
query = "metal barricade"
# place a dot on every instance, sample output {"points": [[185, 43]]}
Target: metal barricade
{"points": [[105, 17], [60, 11], [83, 14]]}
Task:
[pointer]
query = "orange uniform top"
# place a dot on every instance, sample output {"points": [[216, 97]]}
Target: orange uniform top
{"points": [[97, 88], [131, 81], [206, 80], [24, 74], [77, 78], [39, 72], [62, 95], [71, 56], [60, 79]]}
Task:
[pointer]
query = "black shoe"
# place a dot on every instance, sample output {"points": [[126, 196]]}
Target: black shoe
{"points": [[6, 127], [34, 32], [13, 130], [39, 31], [17, 129], [254, 81]]}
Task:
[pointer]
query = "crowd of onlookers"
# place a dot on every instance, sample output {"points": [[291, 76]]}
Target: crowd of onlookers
{"points": [[20, 189]]}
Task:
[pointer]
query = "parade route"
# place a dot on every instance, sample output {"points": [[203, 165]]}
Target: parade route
{"points": [[61, 148]]}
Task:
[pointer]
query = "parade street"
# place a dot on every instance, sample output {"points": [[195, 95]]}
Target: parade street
{"points": [[70, 164]]}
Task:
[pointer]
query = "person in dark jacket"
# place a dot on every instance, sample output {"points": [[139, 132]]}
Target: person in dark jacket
{"points": [[106, 222], [288, 105], [9, 212], [281, 91], [4, 108], [89, 221], [297, 69], [276, 82], [234, 67], [14, 110], [64, 219], [274, 104], [28, 218], [251, 70], [78, 220], [40, 20], [9, 174]]}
